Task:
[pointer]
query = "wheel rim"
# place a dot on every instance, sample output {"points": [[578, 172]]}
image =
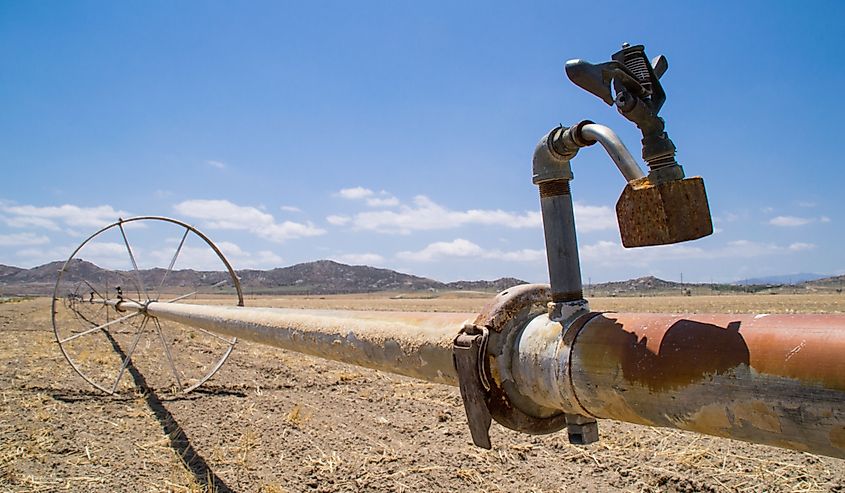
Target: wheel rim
{"points": [[102, 345]]}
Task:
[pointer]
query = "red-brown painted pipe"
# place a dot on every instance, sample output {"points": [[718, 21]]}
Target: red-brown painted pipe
{"points": [[770, 379]]}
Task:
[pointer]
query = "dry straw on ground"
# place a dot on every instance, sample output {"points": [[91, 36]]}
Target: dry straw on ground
{"points": [[275, 421]]}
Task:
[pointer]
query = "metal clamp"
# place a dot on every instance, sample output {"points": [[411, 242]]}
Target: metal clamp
{"points": [[468, 352]]}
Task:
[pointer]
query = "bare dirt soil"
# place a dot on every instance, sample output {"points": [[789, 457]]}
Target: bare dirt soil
{"points": [[273, 421]]}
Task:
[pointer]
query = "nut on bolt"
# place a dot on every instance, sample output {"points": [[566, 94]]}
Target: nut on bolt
{"points": [[582, 430]]}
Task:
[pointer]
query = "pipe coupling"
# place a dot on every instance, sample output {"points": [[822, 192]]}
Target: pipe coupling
{"points": [[505, 317]]}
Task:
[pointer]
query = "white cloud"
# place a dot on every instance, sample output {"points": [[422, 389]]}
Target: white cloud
{"points": [[58, 218], [385, 201], [290, 208], [112, 255], [373, 199], [222, 214], [216, 164], [594, 217], [425, 215], [789, 221], [355, 193], [21, 239], [38, 256], [204, 258], [611, 253], [730, 217], [461, 248], [800, 247], [338, 220], [360, 258], [108, 255], [524, 255], [440, 249], [792, 221]]}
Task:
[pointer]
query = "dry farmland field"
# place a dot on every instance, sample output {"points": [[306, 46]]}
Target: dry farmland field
{"points": [[273, 421]]}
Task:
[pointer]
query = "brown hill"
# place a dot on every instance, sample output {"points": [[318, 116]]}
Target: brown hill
{"points": [[327, 276], [641, 285], [500, 284], [833, 282]]}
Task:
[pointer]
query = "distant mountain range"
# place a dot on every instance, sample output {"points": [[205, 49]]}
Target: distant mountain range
{"points": [[652, 285], [329, 277], [320, 277], [783, 279]]}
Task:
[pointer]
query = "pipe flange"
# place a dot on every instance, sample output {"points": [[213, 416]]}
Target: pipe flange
{"points": [[504, 317], [578, 137]]}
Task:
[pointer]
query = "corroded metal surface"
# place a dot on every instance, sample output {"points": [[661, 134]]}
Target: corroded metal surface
{"points": [[771, 379], [542, 363], [664, 213], [513, 406], [415, 344]]}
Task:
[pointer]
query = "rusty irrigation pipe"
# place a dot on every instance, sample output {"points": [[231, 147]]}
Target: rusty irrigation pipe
{"points": [[414, 344], [537, 360], [769, 379]]}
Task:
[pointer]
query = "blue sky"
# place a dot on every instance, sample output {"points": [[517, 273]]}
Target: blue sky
{"points": [[400, 134]]}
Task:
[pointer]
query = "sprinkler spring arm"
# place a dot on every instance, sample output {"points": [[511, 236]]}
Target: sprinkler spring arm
{"points": [[663, 207], [639, 96]]}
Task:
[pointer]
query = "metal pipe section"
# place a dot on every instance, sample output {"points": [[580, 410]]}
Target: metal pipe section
{"points": [[414, 344], [769, 379], [552, 174], [561, 241], [615, 149]]}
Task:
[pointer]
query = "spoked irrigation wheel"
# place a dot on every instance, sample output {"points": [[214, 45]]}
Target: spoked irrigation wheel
{"points": [[166, 261]]}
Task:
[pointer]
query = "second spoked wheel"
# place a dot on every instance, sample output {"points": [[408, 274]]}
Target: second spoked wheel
{"points": [[145, 260]]}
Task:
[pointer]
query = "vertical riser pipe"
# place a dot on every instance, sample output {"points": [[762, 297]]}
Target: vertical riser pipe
{"points": [[561, 241]]}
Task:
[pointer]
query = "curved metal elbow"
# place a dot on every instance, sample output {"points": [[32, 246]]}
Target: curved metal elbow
{"points": [[549, 164], [615, 148]]}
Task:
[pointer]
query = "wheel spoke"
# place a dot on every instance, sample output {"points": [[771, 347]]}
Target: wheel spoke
{"points": [[80, 315], [172, 263], [167, 353], [94, 290], [129, 354], [141, 287], [126, 317], [212, 334], [174, 300]]}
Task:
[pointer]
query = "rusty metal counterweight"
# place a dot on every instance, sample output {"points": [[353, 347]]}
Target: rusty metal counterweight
{"points": [[770, 379]]}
